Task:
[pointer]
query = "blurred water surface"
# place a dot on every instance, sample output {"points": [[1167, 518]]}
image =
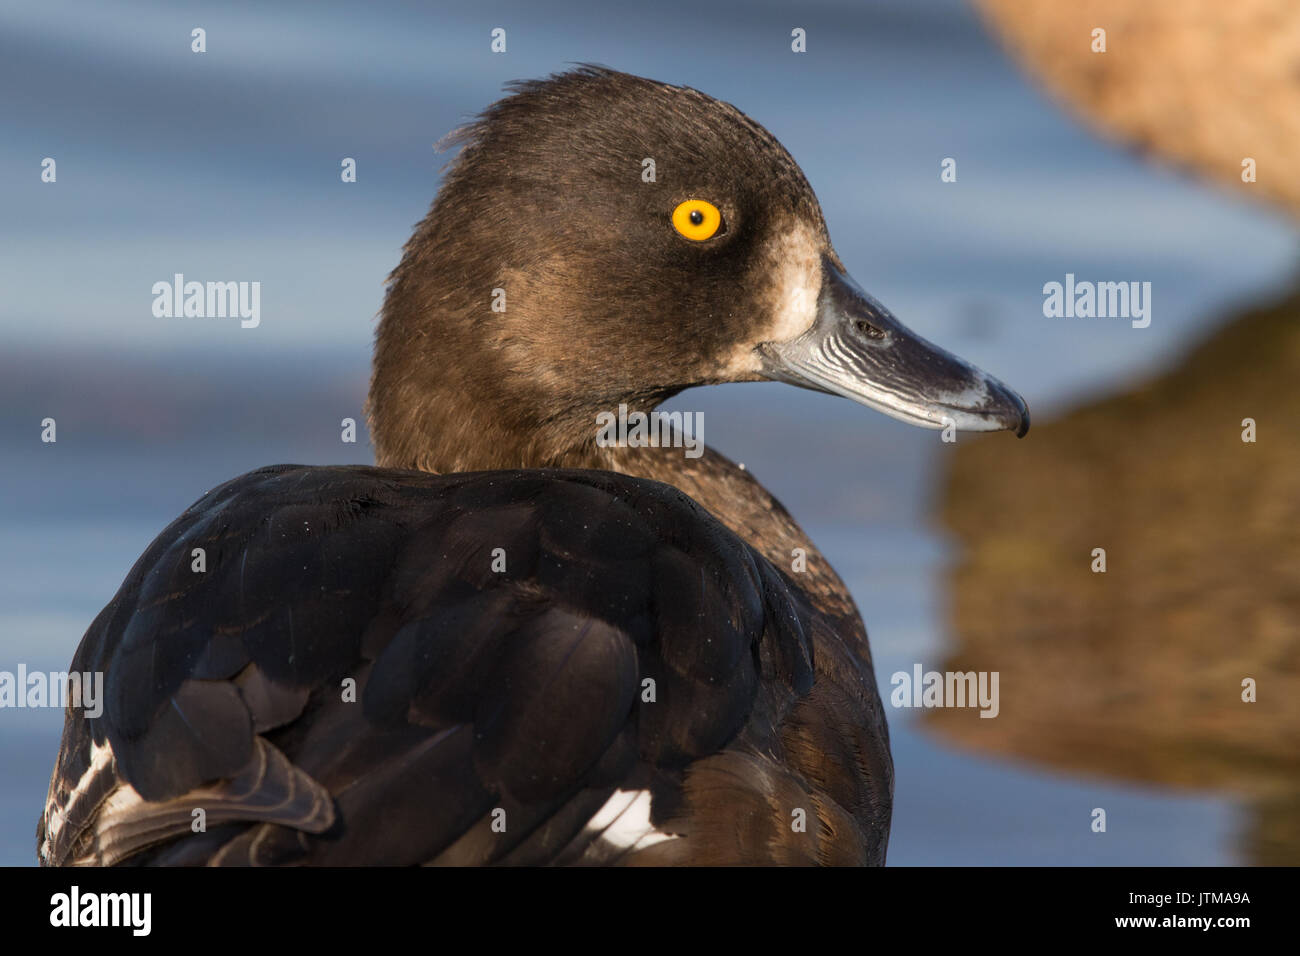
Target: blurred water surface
{"points": [[225, 166]]}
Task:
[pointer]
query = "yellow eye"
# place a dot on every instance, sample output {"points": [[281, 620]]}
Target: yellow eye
{"points": [[697, 219]]}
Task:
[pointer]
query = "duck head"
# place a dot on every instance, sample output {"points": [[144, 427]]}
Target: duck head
{"points": [[605, 239]]}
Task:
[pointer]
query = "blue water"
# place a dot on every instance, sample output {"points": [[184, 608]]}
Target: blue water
{"points": [[226, 165]]}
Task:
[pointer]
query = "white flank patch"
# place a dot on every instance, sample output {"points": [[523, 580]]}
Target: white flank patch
{"points": [[624, 821]]}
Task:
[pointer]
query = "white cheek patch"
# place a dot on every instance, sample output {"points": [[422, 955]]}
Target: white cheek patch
{"points": [[792, 280], [796, 269]]}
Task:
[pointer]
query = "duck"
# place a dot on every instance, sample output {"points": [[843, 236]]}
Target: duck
{"points": [[507, 642]]}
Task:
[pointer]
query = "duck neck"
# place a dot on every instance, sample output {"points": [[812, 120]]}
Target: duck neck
{"points": [[442, 415]]}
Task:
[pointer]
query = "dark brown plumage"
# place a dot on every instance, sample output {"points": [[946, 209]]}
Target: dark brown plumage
{"points": [[647, 679]]}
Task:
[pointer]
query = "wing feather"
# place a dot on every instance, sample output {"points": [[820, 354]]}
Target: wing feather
{"points": [[380, 666]]}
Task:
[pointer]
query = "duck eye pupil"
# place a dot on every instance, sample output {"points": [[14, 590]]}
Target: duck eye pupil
{"points": [[697, 217]]}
